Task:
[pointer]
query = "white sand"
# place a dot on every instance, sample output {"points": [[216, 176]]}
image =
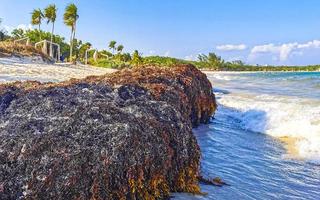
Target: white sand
{"points": [[21, 69]]}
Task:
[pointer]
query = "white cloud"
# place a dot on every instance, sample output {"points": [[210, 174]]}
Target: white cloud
{"points": [[8, 28], [231, 47], [311, 44], [166, 54], [151, 53], [25, 27], [190, 57], [283, 51]]}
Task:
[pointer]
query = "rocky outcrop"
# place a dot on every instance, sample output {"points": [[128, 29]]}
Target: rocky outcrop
{"points": [[127, 135]]}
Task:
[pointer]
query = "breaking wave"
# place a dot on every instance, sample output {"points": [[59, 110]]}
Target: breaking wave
{"points": [[292, 118]]}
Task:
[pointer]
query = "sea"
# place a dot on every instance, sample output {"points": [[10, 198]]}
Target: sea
{"points": [[264, 140]]}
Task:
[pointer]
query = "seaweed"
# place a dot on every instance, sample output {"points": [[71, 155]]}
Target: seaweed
{"points": [[127, 135]]}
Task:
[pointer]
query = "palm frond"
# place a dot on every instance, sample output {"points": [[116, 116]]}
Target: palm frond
{"points": [[50, 13], [70, 15], [36, 17]]}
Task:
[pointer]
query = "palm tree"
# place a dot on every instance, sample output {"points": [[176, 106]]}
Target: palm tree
{"points": [[120, 48], [70, 18], [50, 13], [136, 58], [36, 18], [112, 45]]}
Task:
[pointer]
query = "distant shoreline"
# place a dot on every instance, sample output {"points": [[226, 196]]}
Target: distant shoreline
{"points": [[213, 71]]}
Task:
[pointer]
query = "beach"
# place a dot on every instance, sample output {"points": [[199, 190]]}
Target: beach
{"points": [[20, 69]]}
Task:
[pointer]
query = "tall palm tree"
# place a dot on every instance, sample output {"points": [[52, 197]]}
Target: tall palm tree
{"points": [[36, 18], [120, 48], [70, 18], [50, 13], [112, 45]]}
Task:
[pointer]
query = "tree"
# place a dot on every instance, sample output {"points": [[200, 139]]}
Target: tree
{"points": [[20, 33], [50, 13], [126, 57], [106, 53], [237, 62], [70, 18], [120, 48], [112, 45], [136, 58], [210, 61], [214, 59], [36, 19], [83, 48]]}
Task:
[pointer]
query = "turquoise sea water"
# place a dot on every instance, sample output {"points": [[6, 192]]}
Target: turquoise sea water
{"points": [[242, 144]]}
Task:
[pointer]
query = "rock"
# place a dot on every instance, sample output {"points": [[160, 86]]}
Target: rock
{"points": [[184, 86], [127, 135], [217, 181]]}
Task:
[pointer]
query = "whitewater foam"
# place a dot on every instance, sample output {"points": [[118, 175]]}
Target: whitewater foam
{"points": [[280, 116]]}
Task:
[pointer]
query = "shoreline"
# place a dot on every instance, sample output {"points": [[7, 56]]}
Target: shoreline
{"points": [[226, 72]]}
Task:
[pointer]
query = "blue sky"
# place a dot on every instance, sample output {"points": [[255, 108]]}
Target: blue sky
{"points": [[256, 31]]}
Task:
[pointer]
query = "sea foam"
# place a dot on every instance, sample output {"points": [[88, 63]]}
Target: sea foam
{"points": [[281, 116]]}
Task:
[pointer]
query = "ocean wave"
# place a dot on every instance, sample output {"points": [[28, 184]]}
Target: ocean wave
{"points": [[278, 116]]}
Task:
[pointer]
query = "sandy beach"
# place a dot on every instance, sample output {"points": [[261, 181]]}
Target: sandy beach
{"points": [[18, 69]]}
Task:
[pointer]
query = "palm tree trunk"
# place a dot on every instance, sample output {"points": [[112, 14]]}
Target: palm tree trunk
{"points": [[71, 45], [74, 33], [51, 50], [40, 32]]}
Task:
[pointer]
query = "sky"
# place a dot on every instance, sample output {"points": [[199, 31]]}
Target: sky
{"points": [[264, 32]]}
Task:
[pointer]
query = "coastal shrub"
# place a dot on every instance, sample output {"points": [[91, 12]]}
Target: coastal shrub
{"points": [[109, 63], [162, 61]]}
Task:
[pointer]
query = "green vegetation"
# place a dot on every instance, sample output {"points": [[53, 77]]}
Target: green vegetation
{"points": [[216, 63], [163, 61]]}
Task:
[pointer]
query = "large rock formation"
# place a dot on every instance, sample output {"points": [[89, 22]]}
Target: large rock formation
{"points": [[127, 135]]}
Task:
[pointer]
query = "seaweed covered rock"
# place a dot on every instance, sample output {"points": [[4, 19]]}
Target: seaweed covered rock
{"points": [[183, 86], [101, 137]]}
